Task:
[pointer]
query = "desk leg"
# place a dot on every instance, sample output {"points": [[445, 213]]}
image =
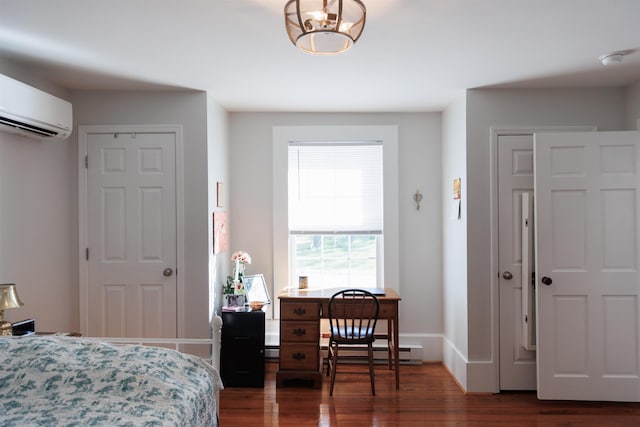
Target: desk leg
{"points": [[390, 346], [396, 346]]}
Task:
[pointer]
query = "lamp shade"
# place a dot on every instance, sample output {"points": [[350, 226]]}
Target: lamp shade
{"points": [[9, 297], [324, 27]]}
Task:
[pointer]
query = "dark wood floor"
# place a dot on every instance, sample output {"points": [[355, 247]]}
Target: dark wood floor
{"points": [[428, 396]]}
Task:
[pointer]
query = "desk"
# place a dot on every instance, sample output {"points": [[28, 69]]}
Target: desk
{"points": [[300, 314]]}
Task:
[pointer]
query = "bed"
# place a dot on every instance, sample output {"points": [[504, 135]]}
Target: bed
{"points": [[67, 381]]}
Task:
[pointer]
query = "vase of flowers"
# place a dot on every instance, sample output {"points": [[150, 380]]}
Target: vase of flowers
{"points": [[234, 288]]}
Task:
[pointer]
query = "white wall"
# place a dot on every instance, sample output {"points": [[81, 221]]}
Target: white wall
{"points": [[419, 155], [37, 230], [454, 239], [603, 108], [217, 161], [632, 106], [39, 204], [188, 109], [38, 236]]}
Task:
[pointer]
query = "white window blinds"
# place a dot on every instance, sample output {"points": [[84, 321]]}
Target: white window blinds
{"points": [[335, 188]]}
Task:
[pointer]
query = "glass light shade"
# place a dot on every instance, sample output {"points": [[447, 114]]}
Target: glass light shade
{"points": [[9, 297], [324, 27]]}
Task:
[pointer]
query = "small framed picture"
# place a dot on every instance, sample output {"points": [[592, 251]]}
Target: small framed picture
{"points": [[256, 288], [457, 184], [219, 195], [220, 238]]}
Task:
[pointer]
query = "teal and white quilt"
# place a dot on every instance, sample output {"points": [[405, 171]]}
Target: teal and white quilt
{"points": [[61, 381]]}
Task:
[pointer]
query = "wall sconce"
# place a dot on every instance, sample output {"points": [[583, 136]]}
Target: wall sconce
{"points": [[417, 198], [8, 299]]}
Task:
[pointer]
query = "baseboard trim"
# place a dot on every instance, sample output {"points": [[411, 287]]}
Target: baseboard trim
{"points": [[473, 377]]}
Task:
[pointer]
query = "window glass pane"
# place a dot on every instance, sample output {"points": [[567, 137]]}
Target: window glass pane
{"points": [[363, 246], [336, 246], [363, 273], [308, 246], [336, 266], [331, 261]]}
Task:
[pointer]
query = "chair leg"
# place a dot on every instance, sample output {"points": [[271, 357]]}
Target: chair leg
{"points": [[333, 357], [329, 357], [328, 361], [371, 373]]}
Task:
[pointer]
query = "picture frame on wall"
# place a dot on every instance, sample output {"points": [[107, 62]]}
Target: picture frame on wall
{"points": [[220, 238], [219, 195]]}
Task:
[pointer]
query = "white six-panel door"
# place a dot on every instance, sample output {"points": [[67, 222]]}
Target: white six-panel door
{"points": [[131, 235], [587, 235], [515, 179]]}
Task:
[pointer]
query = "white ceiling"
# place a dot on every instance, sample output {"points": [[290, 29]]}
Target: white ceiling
{"points": [[414, 55]]}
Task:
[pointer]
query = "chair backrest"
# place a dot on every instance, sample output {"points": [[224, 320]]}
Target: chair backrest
{"points": [[353, 314]]}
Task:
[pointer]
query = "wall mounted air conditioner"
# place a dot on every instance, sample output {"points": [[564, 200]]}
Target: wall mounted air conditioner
{"points": [[28, 111]]}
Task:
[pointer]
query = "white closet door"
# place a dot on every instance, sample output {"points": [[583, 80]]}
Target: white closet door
{"points": [[586, 192], [131, 207]]}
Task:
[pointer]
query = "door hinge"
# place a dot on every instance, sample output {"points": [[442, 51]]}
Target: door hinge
{"points": [[86, 162], [533, 279], [86, 253]]}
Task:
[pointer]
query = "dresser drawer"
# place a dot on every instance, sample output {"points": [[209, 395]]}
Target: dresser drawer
{"points": [[299, 357], [386, 311], [299, 311], [301, 331]]}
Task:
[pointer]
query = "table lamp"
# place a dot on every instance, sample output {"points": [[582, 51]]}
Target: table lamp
{"points": [[8, 299]]}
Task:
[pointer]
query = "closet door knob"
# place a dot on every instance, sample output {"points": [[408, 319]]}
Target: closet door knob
{"points": [[547, 280], [507, 275]]}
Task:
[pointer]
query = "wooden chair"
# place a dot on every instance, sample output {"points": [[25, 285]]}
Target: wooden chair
{"points": [[353, 314]]}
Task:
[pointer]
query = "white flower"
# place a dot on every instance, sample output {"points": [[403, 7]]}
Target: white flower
{"points": [[241, 256]]}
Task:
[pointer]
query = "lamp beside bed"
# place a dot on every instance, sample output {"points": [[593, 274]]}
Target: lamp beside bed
{"points": [[8, 299]]}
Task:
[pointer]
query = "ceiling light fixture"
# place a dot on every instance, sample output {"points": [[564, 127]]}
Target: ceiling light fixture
{"points": [[324, 27], [611, 58]]}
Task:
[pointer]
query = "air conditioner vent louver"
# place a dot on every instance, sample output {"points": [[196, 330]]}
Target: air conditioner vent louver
{"points": [[28, 111], [25, 127]]}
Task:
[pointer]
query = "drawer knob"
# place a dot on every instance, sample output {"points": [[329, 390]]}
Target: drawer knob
{"points": [[298, 356], [299, 332], [300, 311]]}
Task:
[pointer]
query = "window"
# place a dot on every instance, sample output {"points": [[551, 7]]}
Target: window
{"points": [[335, 213], [387, 266]]}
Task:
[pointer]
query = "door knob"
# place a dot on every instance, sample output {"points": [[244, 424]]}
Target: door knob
{"points": [[167, 272], [546, 280], [507, 275]]}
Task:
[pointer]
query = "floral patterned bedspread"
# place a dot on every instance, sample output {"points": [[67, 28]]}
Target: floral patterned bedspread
{"points": [[62, 381]]}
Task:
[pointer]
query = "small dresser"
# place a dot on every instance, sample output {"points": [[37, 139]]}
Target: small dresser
{"points": [[242, 349]]}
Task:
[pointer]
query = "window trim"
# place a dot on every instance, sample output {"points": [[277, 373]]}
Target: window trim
{"points": [[282, 136]]}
